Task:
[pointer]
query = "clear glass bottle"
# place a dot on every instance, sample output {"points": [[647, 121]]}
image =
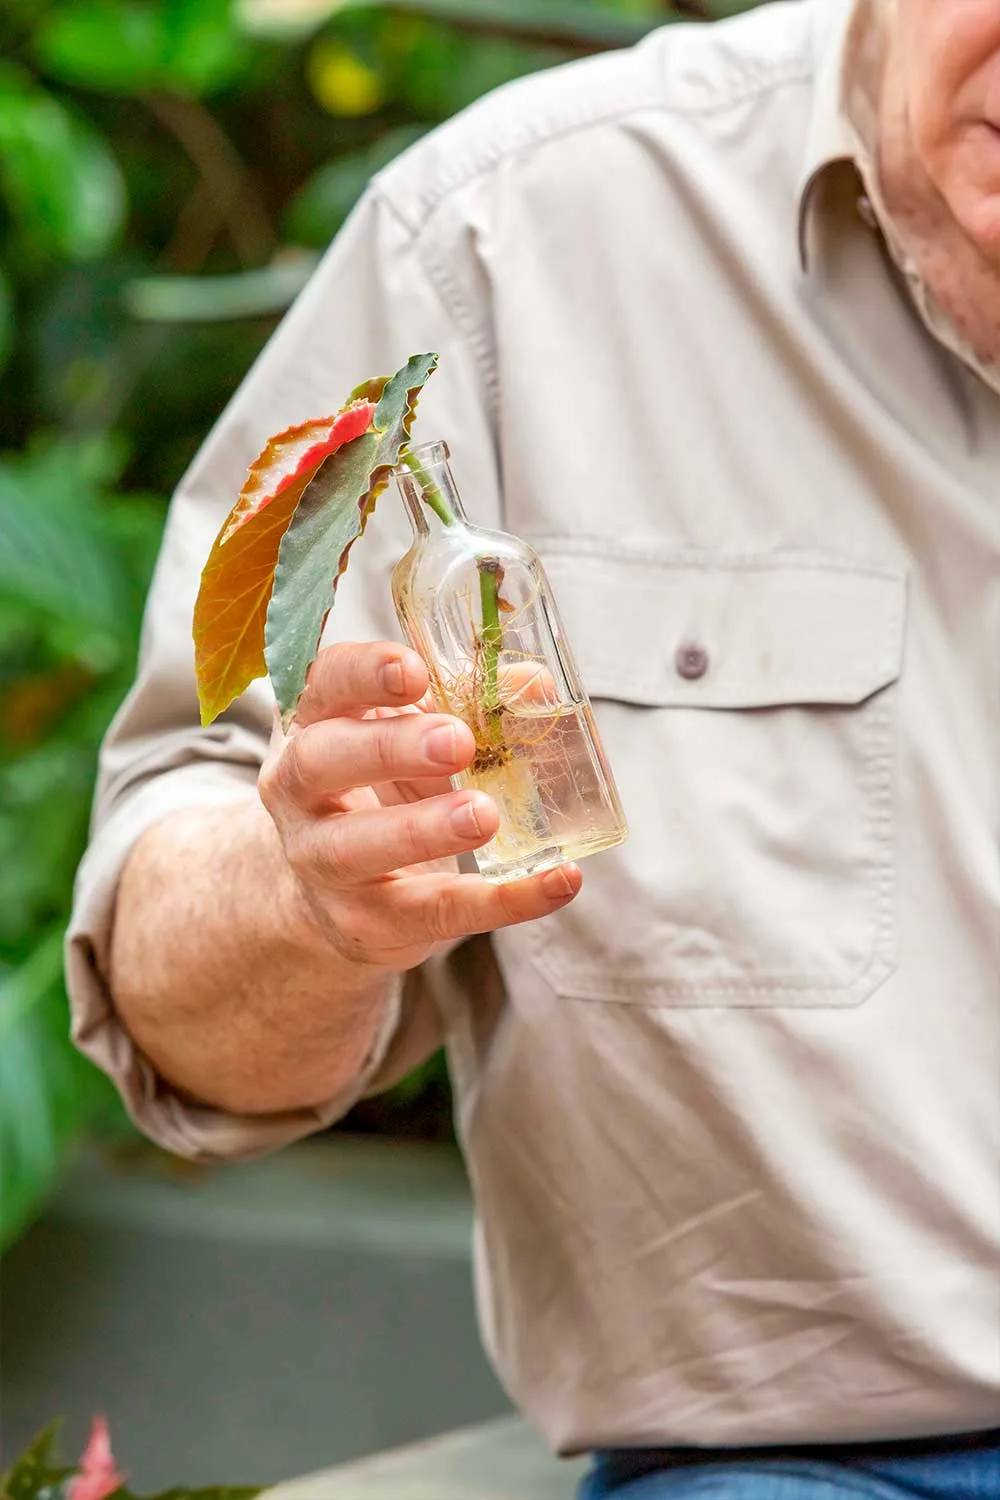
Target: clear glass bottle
{"points": [[478, 608]]}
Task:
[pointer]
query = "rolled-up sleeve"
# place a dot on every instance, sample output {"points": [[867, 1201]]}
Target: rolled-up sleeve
{"points": [[371, 303]]}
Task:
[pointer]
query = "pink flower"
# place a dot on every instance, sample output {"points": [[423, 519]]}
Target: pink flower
{"points": [[98, 1477]]}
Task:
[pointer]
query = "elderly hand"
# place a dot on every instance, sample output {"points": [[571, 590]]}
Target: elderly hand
{"points": [[359, 793]]}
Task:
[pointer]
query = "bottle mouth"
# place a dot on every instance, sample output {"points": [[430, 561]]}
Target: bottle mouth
{"points": [[427, 454]]}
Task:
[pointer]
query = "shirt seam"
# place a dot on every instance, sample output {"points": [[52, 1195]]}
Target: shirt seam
{"points": [[458, 307], [434, 262], [798, 71]]}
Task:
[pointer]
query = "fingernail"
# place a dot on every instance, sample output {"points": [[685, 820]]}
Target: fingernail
{"points": [[557, 885], [392, 678], [439, 745], [465, 821]]}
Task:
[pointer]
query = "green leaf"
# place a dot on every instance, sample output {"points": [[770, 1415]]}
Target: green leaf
{"points": [[34, 1477], [46, 790], [323, 203], [330, 517], [54, 554], [62, 184], [47, 1089], [121, 47], [204, 48], [217, 299], [33, 1472], [103, 44], [573, 24], [82, 347]]}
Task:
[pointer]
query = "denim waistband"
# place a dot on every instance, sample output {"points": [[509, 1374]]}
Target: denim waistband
{"points": [[621, 1464]]}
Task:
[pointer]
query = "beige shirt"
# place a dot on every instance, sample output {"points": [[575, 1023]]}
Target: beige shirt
{"points": [[733, 1116]]}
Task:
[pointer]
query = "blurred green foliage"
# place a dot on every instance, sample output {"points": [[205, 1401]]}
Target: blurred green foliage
{"points": [[169, 171]]}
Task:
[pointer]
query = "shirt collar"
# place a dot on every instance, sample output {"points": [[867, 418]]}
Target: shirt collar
{"points": [[841, 127]]}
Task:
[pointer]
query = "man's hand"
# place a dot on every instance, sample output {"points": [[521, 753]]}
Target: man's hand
{"points": [[255, 946], [359, 793]]}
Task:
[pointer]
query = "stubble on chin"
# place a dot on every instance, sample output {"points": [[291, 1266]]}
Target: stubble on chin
{"points": [[961, 274]]}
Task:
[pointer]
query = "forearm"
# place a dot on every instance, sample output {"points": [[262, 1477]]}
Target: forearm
{"points": [[223, 977]]}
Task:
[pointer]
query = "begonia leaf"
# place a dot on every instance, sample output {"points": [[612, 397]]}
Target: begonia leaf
{"points": [[331, 515], [237, 579]]}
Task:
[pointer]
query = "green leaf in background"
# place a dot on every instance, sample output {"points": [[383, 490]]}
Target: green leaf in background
{"points": [[61, 182], [34, 1476], [6, 320], [204, 49], [217, 299], [52, 553], [103, 44], [45, 789], [33, 1471], [323, 203], [571, 22], [436, 69], [48, 1089], [328, 520], [81, 346], [121, 46]]}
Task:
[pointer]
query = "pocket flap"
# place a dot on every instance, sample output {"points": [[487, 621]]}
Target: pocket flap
{"points": [[716, 630]]}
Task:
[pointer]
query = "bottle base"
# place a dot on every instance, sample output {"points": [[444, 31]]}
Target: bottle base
{"points": [[537, 861]]}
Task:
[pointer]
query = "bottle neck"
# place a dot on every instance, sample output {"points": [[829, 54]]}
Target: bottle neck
{"points": [[425, 481]]}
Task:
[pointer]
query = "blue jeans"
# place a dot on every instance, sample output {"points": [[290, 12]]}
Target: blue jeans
{"points": [[959, 1468]]}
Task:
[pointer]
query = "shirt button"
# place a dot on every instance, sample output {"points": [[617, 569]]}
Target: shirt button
{"points": [[691, 660]]}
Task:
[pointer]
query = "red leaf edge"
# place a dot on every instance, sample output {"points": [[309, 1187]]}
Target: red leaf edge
{"points": [[349, 423]]}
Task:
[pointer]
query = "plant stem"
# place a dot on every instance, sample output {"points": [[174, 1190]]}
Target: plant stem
{"points": [[429, 490], [489, 581]]}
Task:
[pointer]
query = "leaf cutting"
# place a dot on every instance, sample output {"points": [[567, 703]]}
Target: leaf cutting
{"points": [[331, 515], [237, 579], [271, 576]]}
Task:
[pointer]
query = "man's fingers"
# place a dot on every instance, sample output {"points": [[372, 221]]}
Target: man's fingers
{"points": [[354, 675], [334, 755], [355, 847], [444, 908]]}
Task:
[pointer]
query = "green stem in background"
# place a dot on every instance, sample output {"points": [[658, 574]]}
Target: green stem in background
{"points": [[428, 489], [490, 574]]}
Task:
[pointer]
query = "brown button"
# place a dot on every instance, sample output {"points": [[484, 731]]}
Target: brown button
{"points": [[691, 660]]}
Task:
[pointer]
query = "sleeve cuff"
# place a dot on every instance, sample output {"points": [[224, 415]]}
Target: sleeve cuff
{"points": [[181, 1126]]}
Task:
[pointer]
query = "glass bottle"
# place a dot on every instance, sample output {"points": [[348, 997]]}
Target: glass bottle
{"points": [[478, 608]]}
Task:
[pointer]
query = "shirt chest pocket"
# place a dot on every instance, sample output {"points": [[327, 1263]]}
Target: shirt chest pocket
{"points": [[748, 709]]}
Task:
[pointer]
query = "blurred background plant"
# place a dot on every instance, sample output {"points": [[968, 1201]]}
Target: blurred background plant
{"points": [[169, 172]]}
